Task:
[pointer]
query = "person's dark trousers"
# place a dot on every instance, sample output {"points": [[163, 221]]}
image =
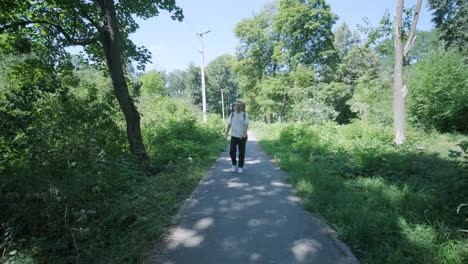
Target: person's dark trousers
{"points": [[237, 143]]}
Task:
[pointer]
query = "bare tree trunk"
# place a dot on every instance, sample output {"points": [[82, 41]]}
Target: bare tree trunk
{"points": [[411, 37], [399, 89], [398, 99], [283, 108], [110, 39]]}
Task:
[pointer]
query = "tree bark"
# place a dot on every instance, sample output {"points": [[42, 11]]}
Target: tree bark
{"points": [[399, 89], [398, 99], [411, 37], [110, 39]]}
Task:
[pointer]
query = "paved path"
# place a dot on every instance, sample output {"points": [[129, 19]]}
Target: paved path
{"points": [[253, 217]]}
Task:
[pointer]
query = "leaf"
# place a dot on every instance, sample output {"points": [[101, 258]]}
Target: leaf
{"points": [[464, 146]]}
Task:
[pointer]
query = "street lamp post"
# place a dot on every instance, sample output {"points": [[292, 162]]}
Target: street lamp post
{"points": [[203, 75], [222, 103]]}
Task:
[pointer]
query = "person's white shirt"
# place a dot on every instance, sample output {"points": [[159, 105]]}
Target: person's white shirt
{"points": [[238, 123]]}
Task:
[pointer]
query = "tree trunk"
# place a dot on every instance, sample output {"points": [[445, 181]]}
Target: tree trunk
{"points": [[399, 89], [398, 98], [110, 39], [283, 108]]}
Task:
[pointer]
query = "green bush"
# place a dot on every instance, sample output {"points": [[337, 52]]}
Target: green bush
{"points": [[172, 132], [174, 140], [438, 92], [59, 164], [302, 139]]}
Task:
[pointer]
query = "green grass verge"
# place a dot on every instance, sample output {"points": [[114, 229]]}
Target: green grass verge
{"points": [[389, 204], [152, 205], [113, 215]]}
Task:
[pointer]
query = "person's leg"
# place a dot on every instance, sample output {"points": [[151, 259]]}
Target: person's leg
{"points": [[233, 150], [242, 143]]}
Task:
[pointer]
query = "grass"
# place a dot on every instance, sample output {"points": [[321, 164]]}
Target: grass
{"points": [[154, 202], [389, 204], [114, 211]]}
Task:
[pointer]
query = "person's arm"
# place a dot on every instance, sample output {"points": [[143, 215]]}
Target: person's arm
{"points": [[246, 125]]}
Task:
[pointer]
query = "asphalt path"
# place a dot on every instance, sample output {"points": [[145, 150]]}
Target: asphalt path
{"points": [[254, 217]]}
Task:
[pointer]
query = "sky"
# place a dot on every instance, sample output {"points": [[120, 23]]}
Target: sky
{"points": [[175, 44]]}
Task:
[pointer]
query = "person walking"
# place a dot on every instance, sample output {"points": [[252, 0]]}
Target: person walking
{"points": [[238, 123]]}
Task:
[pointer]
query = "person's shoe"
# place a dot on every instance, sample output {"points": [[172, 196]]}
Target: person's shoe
{"points": [[233, 168], [240, 170]]}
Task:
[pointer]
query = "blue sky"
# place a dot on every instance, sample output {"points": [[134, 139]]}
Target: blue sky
{"points": [[174, 44]]}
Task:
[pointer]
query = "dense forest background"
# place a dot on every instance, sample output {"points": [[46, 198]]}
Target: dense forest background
{"points": [[96, 154]]}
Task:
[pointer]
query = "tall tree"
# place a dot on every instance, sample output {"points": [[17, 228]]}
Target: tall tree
{"points": [[102, 27], [306, 37], [222, 79], [176, 83], [193, 84], [255, 53], [344, 39], [286, 35], [399, 89], [152, 83], [451, 19], [360, 60]]}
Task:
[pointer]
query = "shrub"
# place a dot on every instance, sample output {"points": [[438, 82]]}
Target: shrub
{"points": [[63, 164], [304, 141], [172, 132], [438, 89], [372, 100]]}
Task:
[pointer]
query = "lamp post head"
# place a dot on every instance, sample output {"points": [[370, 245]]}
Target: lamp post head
{"points": [[204, 33]]}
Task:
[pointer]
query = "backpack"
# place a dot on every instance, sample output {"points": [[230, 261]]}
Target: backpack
{"points": [[232, 114]]}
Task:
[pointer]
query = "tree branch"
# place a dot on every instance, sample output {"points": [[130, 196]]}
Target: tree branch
{"points": [[86, 15], [410, 40], [71, 41]]}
